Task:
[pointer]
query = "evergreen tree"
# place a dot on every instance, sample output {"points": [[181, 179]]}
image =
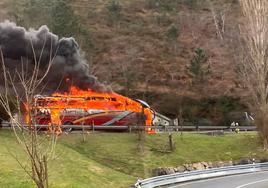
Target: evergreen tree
{"points": [[66, 24], [197, 61], [63, 21]]}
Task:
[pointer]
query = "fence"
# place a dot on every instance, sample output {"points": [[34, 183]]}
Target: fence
{"points": [[131, 128]]}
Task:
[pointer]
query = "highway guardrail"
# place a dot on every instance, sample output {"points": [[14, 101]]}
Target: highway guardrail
{"points": [[135, 127], [199, 174]]}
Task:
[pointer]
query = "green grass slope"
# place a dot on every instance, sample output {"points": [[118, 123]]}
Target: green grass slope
{"points": [[120, 151], [113, 159], [69, 169]]}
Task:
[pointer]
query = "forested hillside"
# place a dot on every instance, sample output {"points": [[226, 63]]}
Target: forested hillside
{"points": [[174, 54]]}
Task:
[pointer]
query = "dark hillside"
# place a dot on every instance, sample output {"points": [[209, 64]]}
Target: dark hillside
{"points": [[157, 50]]}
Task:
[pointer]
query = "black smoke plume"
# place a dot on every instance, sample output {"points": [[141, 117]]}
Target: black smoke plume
{"points": [[22, 49]]}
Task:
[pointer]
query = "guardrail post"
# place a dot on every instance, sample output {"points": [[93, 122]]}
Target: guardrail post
{"points": [[83, 132], [170, 140], [197, 127]]}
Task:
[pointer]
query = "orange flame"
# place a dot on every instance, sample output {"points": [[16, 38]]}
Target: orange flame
{"points": [[86, 100]]}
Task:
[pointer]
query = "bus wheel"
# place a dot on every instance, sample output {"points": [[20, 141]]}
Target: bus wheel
{"points": [[67, 130]]}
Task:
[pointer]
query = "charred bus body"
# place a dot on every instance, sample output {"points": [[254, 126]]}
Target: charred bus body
{"points": [[79, 107]]}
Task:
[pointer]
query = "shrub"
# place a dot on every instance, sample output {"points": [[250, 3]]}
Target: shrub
{"points": [[173, 32], [114, 11]]}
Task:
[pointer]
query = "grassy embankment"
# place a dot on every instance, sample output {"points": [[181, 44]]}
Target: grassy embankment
{"points": [[112, 159]]}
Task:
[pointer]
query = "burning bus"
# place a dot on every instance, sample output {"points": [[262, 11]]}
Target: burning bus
{"points": [[42, 61], [88, 107]]}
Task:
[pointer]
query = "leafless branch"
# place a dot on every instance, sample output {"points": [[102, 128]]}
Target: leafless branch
{"points": [[255, 67], [38, 148]]}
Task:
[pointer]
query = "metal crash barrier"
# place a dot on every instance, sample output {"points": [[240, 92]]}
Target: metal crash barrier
{"points": [[199, 175], [156, 128]]}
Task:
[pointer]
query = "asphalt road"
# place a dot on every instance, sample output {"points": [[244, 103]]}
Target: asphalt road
{"points": [[252, 180]]}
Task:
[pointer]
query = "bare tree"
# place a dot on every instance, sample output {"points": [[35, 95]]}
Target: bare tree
{"points": [[38, 148], [219, 20], [255, 69]]}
